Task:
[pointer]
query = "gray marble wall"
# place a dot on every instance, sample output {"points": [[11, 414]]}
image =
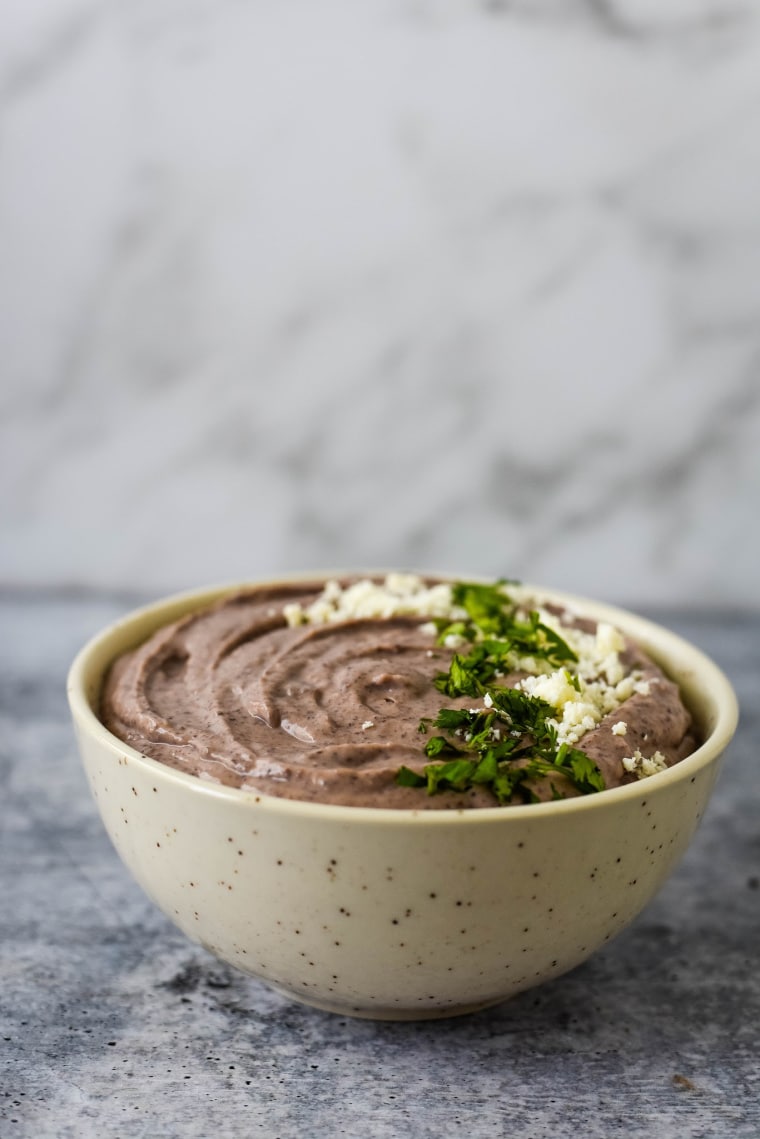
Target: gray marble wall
{"points": [[427, 283]]}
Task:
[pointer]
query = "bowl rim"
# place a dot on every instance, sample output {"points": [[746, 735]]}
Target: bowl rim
{"points": [[657, 639]]}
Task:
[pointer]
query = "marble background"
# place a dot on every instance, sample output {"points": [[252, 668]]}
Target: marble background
{"points": [[469, 286]]}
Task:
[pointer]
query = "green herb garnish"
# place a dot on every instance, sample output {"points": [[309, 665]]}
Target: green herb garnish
{"points": [[491, 620], [510, 742]]}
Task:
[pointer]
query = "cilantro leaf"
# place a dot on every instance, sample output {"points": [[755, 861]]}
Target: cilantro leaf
{"points": [[457, 774], [405, 777], [460, 680], [453, 719], [585, 774], [438, 745]]}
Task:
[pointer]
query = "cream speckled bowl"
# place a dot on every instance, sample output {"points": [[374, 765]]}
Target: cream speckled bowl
{"points": [[398, 914]]}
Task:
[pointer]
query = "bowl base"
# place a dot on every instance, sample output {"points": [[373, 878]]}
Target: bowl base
{"points": [[383, 1012]]}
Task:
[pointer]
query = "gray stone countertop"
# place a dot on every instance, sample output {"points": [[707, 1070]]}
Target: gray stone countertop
{"points": [[112, 1024]]}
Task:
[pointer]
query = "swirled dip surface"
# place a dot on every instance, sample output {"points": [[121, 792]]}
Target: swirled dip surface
{"points": [[329, 712]]}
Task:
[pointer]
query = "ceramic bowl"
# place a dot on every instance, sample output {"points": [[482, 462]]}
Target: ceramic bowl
{"points": [[398, 914]]}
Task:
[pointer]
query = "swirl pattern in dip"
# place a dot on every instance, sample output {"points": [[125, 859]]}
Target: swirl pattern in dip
{"points": [[331, 711]]}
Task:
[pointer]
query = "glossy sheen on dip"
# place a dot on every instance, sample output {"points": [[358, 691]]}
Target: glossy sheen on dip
{"points": [[329, 712]]}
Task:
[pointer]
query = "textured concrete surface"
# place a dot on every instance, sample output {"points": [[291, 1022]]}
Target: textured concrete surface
{"points": [[112, 1024]]}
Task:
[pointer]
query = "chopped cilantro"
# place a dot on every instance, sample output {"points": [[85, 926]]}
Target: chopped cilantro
{"points": [[405, 777], [510, 741]]}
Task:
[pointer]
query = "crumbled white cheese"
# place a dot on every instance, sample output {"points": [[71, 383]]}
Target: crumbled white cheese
{"points": [[608, 640], [368, 724], [555, 688], [401, 594], [642, 766], [488, 700], [599, 684], [620, 728], [453, 641]]}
